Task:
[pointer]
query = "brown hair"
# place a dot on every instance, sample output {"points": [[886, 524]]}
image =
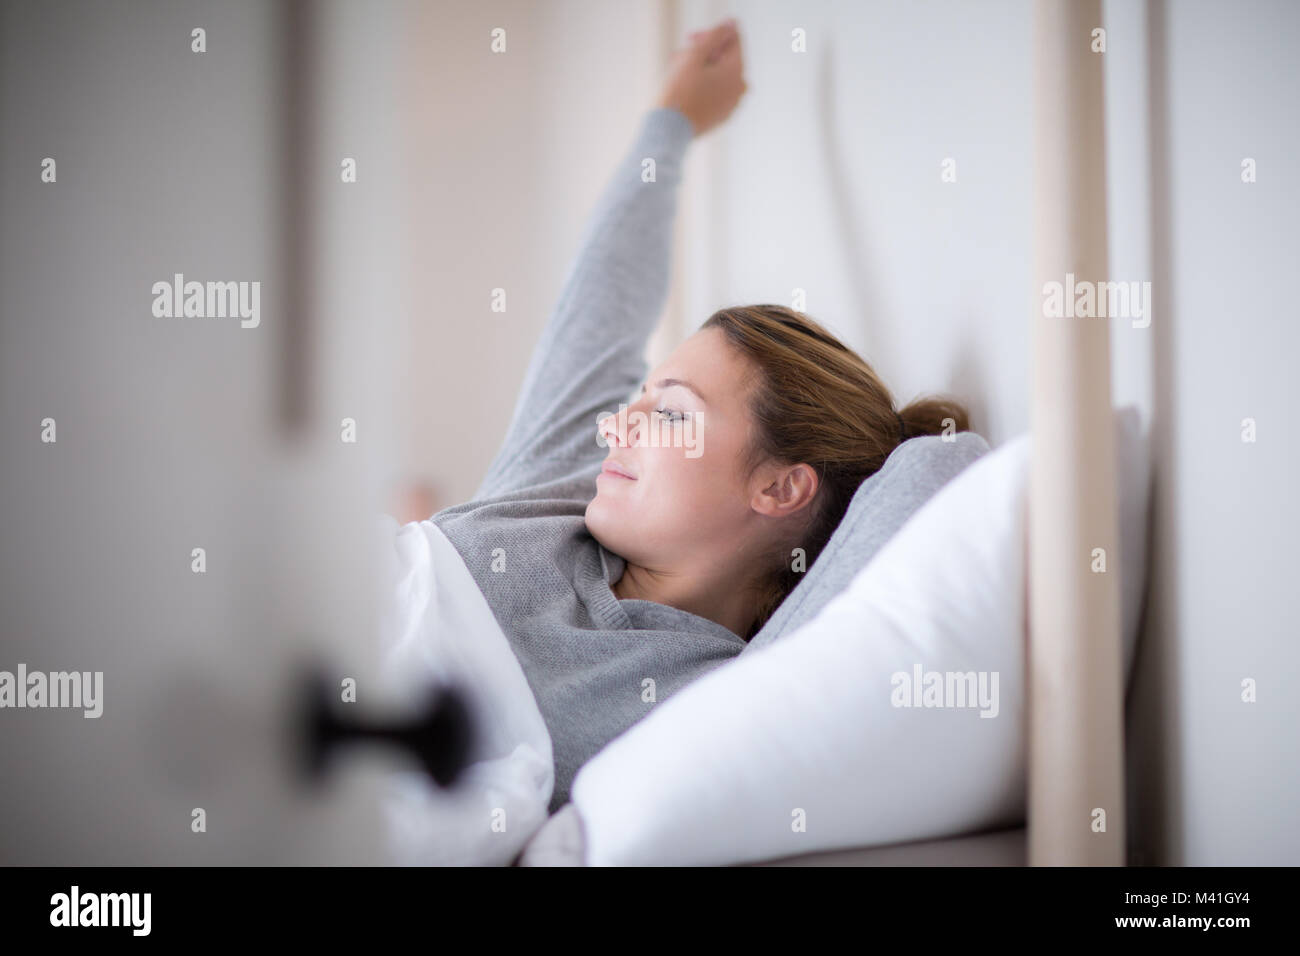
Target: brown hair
{"points": [[815, 400]]}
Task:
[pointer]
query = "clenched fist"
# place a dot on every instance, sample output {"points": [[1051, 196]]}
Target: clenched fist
{"points": [[706, 77]]}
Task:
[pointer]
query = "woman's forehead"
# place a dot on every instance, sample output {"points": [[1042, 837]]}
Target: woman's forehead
{"points": [[703, 359]]}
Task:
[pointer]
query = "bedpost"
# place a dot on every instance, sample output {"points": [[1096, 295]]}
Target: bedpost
{"points": [[1075, 698]]}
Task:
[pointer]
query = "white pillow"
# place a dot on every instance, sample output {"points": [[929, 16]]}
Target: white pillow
{"points": [[802, 746]]}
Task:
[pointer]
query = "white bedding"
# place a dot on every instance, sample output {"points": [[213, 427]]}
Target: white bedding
{"points": [[438, 627]]}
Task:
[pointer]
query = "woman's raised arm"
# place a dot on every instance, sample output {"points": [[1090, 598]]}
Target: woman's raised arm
{"points": [[591, 354]]}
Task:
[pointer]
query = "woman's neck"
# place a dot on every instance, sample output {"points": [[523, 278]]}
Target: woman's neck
{"points": [[706, 596]]}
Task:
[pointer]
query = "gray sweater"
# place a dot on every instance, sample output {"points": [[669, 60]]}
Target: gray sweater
{"points": [[589, 657]]}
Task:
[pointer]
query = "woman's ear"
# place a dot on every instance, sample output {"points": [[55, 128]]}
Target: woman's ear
{"points": [[785, 489]]}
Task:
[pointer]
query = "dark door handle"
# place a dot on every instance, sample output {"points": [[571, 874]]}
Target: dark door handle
{"points": [[437, 735]]}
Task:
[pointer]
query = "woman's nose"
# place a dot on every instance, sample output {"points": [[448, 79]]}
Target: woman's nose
{"points": [[611, 428]]}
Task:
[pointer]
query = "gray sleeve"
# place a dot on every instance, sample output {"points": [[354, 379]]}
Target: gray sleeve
{"points": [[591, 354]]}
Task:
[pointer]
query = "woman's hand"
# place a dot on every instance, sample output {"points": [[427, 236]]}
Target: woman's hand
{"points": [[706, 78]]}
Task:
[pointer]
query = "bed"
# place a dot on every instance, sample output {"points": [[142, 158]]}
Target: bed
{"points": [[1006, 847]]}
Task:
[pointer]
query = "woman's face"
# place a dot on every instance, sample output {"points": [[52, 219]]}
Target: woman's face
{"points": [[682, 442]]}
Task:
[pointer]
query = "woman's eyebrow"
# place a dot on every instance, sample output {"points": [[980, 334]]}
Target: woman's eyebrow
{"points": [[666, 382]]}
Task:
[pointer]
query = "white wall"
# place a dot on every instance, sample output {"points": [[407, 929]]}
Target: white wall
{"points": [[1218, 780], [831, 183], [507, 154]]}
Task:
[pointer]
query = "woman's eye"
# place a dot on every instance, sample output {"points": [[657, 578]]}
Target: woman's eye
{"points": [[669, 414]]}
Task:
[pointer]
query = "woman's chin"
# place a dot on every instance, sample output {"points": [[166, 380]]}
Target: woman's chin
{"points": [[592, 516], [601, 521]]}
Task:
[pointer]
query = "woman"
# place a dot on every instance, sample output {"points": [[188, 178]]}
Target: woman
{"points": [[621, 567]]}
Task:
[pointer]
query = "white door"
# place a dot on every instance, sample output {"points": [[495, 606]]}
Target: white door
{"points": [[182, 508]]}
